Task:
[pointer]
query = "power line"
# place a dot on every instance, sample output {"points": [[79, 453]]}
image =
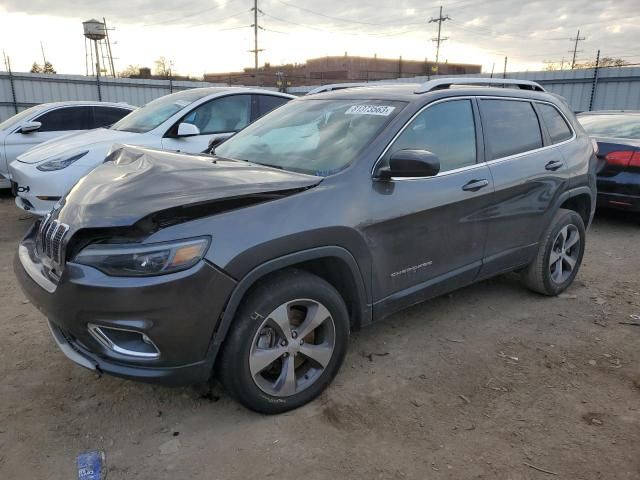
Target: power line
{"points": [[347, 20], [219, 20], [575, 48], [188, 15], [439, 39]]}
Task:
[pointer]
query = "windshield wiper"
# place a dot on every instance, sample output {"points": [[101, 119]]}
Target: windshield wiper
{"points": [[279, 167]]}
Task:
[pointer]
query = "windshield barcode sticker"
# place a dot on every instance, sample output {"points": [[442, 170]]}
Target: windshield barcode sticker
{"points": [[383, 110]]}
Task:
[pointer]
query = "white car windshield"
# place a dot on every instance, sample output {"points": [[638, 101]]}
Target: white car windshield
{"points": [[157, 111], [318, 137], [18, 118]]}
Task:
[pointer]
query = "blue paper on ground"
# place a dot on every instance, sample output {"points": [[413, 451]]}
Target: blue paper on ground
{"points": [[91, 465]]}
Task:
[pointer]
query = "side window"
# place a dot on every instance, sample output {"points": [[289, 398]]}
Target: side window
{"points": [[510, 126], [226, 114], [558, 129], [63, 119], [266, 103], [446, 129], [105, 116]]}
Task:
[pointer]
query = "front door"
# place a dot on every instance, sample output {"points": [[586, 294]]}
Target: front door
{"points": [[217, 118], [55, 123], [427, 235]]}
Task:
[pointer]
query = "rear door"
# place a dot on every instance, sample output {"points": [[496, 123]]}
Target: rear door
{"points": [[106, 116], [528, 173], [263, 104], [55, 123], [428, 234]]}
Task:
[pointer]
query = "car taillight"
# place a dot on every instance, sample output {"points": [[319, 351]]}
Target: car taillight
{"points": [[623, 158]]}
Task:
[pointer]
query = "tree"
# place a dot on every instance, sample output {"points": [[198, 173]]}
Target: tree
{"points": [[130, 71], [163, 67], [48, 68], [35, 68], [604, 62]]}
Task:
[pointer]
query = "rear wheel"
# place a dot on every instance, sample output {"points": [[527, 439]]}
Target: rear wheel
{"points": [[559, 255], [288, 342]]}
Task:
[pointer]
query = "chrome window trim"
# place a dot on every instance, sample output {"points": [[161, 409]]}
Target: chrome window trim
{"points": [[566, 120], [489, 162], [535, 150], [404, 127]]}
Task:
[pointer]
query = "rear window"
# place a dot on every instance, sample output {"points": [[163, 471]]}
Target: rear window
{"points": [[511, 127], [557, 126], [105, 116], [612, 125], [266, 103]]}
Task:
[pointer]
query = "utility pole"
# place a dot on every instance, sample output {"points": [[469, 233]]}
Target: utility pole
{"points": [[255, 36], [594, 82], [575, 48], [504, 72], [439, 39]]}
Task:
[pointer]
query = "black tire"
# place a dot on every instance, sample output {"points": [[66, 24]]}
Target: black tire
{"points": [[234, 369], [538, 275]]}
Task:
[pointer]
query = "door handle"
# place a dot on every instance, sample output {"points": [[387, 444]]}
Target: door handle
{"points": [[553, 165], [475, 185]]}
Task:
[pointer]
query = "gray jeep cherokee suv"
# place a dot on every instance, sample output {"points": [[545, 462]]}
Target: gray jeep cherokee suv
{"points": [[255, 263]]}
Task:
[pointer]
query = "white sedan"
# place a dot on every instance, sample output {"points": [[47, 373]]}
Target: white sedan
{"points": [[47, 121], [186, 121]]}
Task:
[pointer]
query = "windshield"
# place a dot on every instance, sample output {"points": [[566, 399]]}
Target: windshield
{"points": [[18, 117], [158, 111], [318, 137], [615, 126]]}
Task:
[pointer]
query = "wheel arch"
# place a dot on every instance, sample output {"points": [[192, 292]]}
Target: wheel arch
{"points": [[332, 263], [581, 200]]}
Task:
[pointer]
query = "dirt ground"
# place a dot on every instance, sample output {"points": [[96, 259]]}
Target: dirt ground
{"points": [[491, 382]]}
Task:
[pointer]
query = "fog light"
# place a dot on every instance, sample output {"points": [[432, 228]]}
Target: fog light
{"points": [[125, 342]]}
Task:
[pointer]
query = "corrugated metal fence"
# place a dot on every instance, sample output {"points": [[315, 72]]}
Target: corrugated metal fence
{"points": [[23, 90], [604, 89]]}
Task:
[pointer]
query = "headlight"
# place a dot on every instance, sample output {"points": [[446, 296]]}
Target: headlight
{"points": [[60, 162], [143, 260]]}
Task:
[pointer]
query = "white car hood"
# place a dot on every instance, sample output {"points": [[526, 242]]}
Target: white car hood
{"points": [[77, 142]]}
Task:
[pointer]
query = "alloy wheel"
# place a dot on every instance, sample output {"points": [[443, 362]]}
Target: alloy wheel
{"points": [[564, 254], [292, 347]]}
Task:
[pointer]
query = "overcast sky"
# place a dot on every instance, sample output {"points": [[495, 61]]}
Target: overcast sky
{"points": [[214, 35]]}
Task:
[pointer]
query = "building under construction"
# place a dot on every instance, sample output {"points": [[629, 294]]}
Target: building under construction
{"points": [[338, 69]]}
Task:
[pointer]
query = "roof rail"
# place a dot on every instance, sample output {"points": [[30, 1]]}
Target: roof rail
{"points": [[444, 83], [337, 86]]}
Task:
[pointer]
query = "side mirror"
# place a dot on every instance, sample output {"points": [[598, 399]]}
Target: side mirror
{"points": [[216, 142], [410, 163], [29, 127], [188, 130]]}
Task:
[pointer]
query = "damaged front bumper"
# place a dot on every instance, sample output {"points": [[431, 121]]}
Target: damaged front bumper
{"points": [[178, 312]]}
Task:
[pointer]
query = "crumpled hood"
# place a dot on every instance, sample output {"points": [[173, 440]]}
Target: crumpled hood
{"points": [[76, 142], [142, 181]]}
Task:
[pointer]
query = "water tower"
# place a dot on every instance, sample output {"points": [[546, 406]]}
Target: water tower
{"points": [[98, 55]]}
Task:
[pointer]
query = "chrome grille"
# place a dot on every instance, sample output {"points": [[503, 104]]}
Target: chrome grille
{"points": [[51, 238]]}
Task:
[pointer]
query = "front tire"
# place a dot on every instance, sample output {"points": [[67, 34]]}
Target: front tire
{"points": [[559, 255], [287, 343]]}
